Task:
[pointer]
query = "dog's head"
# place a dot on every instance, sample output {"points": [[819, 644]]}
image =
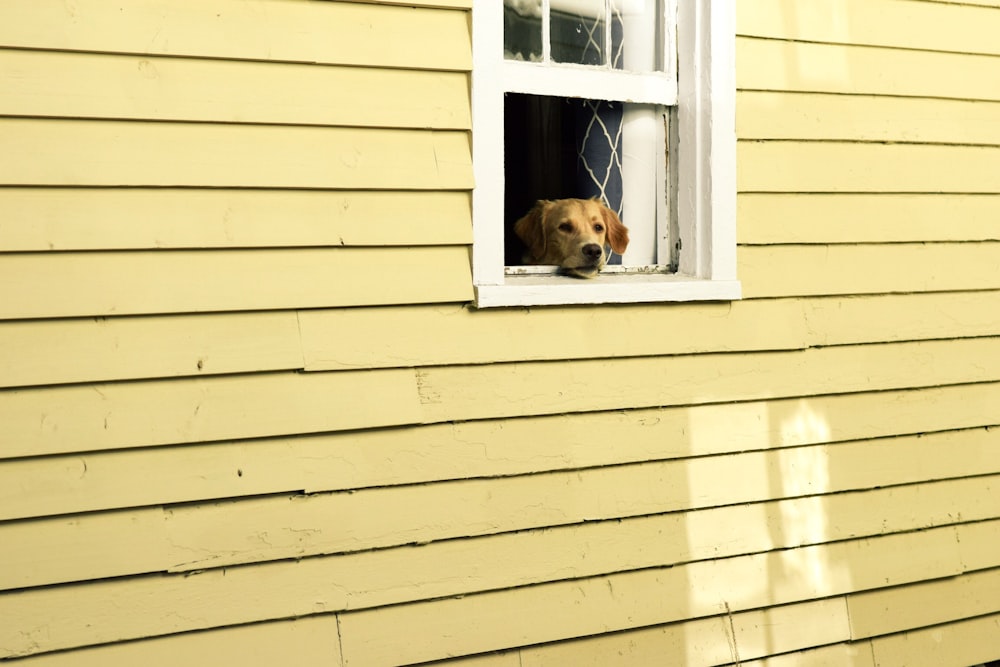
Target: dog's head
{"points": [[571, 233]]}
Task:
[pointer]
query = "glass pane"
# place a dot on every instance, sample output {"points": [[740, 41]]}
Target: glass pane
{"points": [[582, 32], [579, 32], [640, 28], [522, 30]]}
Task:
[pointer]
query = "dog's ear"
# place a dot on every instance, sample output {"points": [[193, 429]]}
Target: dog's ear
{"points": [[617, 233], [531, 230]]}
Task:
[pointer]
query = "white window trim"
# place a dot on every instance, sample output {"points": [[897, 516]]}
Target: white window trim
{"points": [[705, 166]]}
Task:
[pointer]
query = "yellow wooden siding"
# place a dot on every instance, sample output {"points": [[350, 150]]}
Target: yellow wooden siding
{"points": [[710, 641], [119, 415], [267, 30], [490, 621], [852, 319], [142, 218], [462, 392], [409, 336], [77, 615], [312, 640], [954, 645], [907, 25], [497, 659], [100, 153], [825, 117], [97, 481], [838, 655], [43, 352], [350, 339], [352, 460], [796, 166], [784, 270], [143, 87], [37, 285], [930, 603], [984, 3], [780, 65], [246, 387], [251, 531], [453, 4], [803, 218]]}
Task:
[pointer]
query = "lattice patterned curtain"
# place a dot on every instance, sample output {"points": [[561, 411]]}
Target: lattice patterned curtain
{"points": [[599, 153]]}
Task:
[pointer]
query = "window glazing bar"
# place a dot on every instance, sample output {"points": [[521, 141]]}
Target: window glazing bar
{"points": [[546, 31]]}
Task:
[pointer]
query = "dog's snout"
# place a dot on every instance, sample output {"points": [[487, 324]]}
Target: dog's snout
{"points": [[592, 251]]}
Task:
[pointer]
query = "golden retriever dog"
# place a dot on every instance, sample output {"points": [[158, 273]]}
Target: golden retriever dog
{"points": [[571, 233]]}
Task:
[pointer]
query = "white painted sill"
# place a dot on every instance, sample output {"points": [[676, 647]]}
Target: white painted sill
{"points": [[606, 288]]}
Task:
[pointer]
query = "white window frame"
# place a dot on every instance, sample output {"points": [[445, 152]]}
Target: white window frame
{"points": [[704, 164]]}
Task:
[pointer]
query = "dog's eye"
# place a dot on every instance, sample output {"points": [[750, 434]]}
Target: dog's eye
{"points": [[566, 227], [598, 228]]}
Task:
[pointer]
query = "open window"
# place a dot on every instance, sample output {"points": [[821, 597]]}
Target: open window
{"points": [[628, 101]]}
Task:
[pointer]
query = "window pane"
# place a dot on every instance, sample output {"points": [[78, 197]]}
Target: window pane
{"points": [[622, 34], [641, 26], [579, 32], [522, 30]]}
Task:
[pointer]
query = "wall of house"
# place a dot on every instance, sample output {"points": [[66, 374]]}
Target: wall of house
{"points": [[247, 413]]}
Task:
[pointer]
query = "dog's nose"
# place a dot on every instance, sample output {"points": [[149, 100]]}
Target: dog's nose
{"points": [[592, 251]]}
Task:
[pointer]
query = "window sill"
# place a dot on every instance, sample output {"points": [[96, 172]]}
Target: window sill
{"points": [[606, 288]]}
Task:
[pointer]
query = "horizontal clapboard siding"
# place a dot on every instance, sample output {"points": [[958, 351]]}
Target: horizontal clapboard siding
{"points": [[409, 633], [407, 336], [268, 529], [796, 166], [497, 391], [346, 339], [709, 641], [367, 582], [187, 89], [382, 458], [40, 285], [904, 25], [98, 153], [828, 117], [806, 218], [790, 66], [69, 351], [347, 33], [821, 270], [241, 384], [849, 115], [258, 645], [112, 416], [899, 317], [43, 352], [122, 415], [41, 219], [842, 655], [984, 3], [250, 146], [882, 612], [959, 644]]}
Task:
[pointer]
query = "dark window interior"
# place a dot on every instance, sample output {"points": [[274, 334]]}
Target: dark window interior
{"points": [[540, 160], [556, 148]]}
